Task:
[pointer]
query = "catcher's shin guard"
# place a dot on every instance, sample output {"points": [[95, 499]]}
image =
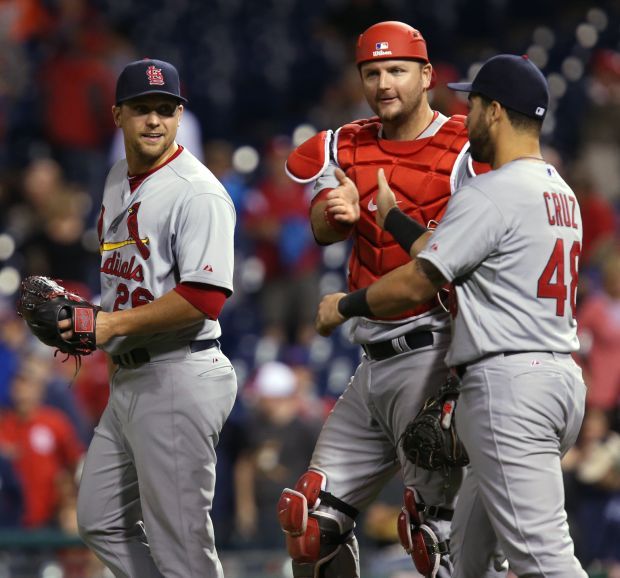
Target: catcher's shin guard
{"points": [[315, 540], [418, 539]]}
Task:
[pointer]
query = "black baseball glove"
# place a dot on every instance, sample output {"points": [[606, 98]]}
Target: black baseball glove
{"points": [[430, 439], [43, 303]]}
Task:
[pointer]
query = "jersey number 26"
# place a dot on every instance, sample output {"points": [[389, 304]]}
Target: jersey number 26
{"points": [[549, 289]]}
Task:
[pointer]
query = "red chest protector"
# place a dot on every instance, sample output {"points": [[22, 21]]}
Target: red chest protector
{"points": [[419, 174]]}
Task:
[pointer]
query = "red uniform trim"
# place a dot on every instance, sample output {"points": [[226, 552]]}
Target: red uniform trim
{"points": [[207, 298], [136, 180]]}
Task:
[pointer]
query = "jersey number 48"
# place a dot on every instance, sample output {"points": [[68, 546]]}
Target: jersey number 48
{"points": [[548, 288]]}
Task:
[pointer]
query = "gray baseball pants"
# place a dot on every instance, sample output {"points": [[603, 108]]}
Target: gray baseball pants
{"points": [[149, 476], [517, 415]]}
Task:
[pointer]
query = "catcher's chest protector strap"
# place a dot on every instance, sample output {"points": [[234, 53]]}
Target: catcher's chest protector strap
{"points": [[418, 539]]}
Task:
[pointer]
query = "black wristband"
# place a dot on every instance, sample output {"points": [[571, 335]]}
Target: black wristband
{"points": [[403, 228], [355, 304]]}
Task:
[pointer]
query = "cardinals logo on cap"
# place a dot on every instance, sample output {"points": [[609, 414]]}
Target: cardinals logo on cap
{"points": [[155, 75]]}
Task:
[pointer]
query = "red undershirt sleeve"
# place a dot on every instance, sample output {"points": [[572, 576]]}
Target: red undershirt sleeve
{"points": [[207, 298]]}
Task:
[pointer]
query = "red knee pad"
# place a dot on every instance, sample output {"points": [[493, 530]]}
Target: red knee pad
{"points": [[310, 485], [307, 546], [293, 512], [302, 532], [294, 505], [419, 541]]}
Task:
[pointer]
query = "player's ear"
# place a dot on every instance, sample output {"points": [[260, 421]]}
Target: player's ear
{"points": [[116, 115], [427, 75], [495, 110], [181, 109]]}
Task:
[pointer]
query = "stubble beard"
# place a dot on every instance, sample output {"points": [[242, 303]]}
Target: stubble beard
{"points": [[480, 146], [404, 113]]}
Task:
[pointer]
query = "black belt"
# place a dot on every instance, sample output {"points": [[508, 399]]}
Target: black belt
{"points": [[387, 349], [141, 355], [461, 369]]}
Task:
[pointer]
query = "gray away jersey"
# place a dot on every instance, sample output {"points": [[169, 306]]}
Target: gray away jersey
{"points": [[177, 226], [510, 243]]}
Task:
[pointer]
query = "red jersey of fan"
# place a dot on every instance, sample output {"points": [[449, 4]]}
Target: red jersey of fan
{"points": [[41, 447]]}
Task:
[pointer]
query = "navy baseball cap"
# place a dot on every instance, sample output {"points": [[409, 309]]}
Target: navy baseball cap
{"points": [[148, 76], [513, 81]]}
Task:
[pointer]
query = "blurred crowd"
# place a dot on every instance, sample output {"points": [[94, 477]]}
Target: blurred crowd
{"points": [[261, 78]]}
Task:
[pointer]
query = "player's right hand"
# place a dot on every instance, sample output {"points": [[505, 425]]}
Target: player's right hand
{"points": [[386, 200], [328, 317], [343, 201]]}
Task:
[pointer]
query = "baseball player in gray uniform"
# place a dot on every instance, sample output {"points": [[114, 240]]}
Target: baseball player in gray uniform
{"points": [[166, 237], [510, 244], [358, 450]]}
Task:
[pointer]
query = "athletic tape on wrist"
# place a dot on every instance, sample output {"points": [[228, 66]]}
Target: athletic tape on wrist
{"points": [[403, 228], [355, 304]]}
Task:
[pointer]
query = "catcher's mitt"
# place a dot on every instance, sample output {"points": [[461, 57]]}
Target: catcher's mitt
{"points": [[43, 302], [430, 439]]}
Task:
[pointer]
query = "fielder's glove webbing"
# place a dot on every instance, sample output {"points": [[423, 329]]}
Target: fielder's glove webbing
{"points": [[43, 302], [430, 439]]}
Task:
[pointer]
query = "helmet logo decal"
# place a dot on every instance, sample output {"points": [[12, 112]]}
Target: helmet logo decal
{"points": [[381, 49], [155, 75]]}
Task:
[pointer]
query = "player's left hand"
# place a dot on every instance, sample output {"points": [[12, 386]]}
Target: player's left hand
{"points": [[386, 200], [328, 316], [103, 333]]}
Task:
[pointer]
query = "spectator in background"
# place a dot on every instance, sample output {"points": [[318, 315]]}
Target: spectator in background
{"points": [[278, 445], [49, 226], [601, 124], [58, 248], [43, 446], [599, 336], [276, 220], [42, 180], [597, 214], [57, 373], [218, 156], [11, 495], [443, 99], [341, 101], [14, 336], [77, 84], [592, 469], [90, 387]]}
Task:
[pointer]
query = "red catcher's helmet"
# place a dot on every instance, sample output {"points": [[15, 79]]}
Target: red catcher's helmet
{"points": [[390, 40]]}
